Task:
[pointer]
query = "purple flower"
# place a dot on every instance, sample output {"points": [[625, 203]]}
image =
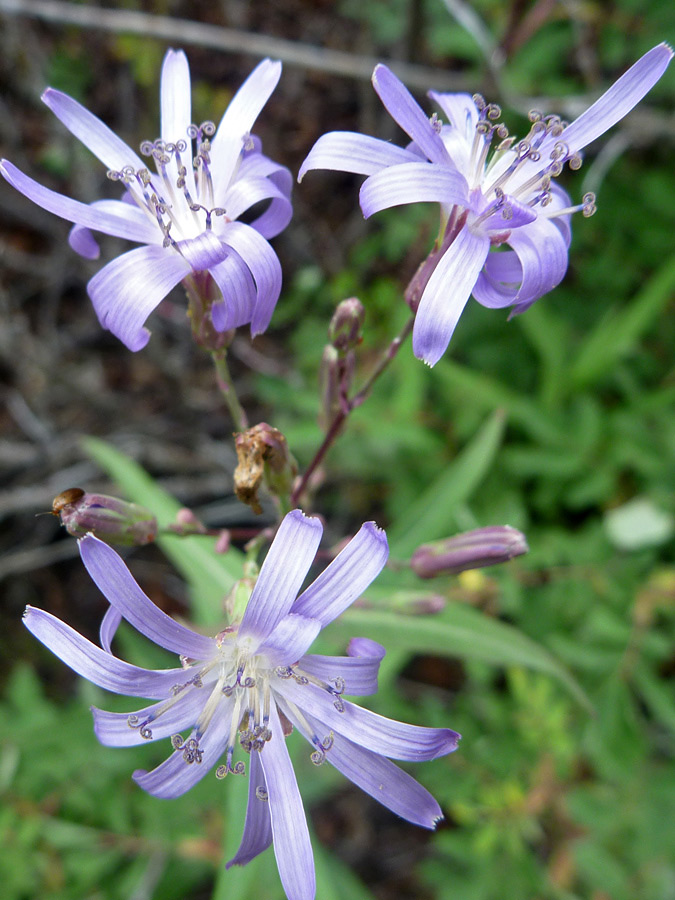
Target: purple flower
{"points": [[486, 201], [250, 684], [185, 212]]}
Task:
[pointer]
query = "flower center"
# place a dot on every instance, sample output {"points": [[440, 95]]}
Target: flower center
{"points": [[247, 681], [180, 200], [519, 171]]}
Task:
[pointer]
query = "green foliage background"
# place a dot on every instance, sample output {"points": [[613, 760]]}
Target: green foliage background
{"points": [[564, 784]]}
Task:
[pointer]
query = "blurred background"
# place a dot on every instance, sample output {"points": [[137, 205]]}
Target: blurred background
{"points": [[544, 800]]}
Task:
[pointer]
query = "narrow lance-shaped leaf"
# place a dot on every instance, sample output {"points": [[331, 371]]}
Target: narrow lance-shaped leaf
{"points": [[431, 516]]}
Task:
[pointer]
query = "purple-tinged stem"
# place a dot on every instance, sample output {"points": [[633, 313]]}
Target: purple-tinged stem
{"points": [[348, 405]]}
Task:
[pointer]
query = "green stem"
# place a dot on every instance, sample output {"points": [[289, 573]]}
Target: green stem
{"points": [[228, 391]]}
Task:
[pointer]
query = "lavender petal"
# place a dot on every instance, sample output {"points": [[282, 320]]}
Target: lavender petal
{"points": [[174, 96], [292, 847], [383, 780], [265, 268], [124, 222], [88, 128], [246, 191], [95, 664], [116, 582], [347, 576], [368, 729], [359, 673], [413, 182], [113, 729], [460, 110], [126, 291], [238, 120], [236, 284], [257, 834], [406, 111], [542, 251], [446, 294], [346, 151], [109, 626], [283, 571], [175, 776], [290, 640], [618, 101]]}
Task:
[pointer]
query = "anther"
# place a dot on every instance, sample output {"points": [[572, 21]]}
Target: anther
{"points": [[190, 748], [143, 730], [588, 205], [318, 757], [223, 771], [261, 793]]}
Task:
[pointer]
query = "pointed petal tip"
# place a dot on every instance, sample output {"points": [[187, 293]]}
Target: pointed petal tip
{"points": [[381, 69]]}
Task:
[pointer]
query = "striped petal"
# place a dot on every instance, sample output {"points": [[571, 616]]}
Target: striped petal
{"points": [[446, 294], [126, 291], [292, 847], [283, 571], [257, 834], [359, 670], [174, 97], [618, 101], [290, 640], [264, 266], [238, 120], [116, 582], [404, 109], [96, 665], [175, 776], [123, 222], [347, 576], [88, 128], [382, 779], [379, 734], [236, 284], [413, 182], [346, 151], [163, 719]]}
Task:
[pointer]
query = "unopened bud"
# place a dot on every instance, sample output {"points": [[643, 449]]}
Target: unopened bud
{"points": [[344, 331], [262, 453], [109, 518], [469, 550], [336, 374]]}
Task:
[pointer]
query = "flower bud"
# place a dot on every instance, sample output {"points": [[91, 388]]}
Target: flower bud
{"points": [[262, 453], [469, 550], [344, 331], [109, 518]]}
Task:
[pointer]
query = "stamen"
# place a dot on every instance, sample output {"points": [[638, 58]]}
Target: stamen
{"points": [[587, 208], [238, 769], [288, 672], [318, 757], [190, 748], [261, 793], [143, 730]]}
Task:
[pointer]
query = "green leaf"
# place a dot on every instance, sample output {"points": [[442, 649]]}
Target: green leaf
{"points": [[432, 515], [617, 335], [209, 575], [470, 387], [458, 630]]}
